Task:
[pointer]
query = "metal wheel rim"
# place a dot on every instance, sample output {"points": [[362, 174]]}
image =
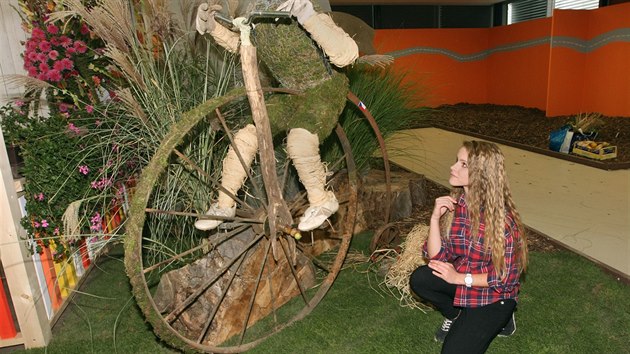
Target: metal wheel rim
{"points": [[133, 244]]}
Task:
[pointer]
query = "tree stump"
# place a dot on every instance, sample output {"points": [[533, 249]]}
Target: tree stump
{"points": [[408, 189]]}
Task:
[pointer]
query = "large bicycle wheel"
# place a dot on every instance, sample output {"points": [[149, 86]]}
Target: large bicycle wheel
{"points": [[228, 289]]}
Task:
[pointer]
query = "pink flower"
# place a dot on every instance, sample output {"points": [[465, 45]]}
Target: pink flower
{"points": [[66, 64], [89, 108], [73, 128], [39, 197], [84, 29], [80, 47], [53, 54], [38, 33], [65, 41], [96, 222], [32, 55], [19, 103], [41, 57], [55, 41], [84, 169], [63, 107], [43, 67], [45, 46], [53, 75], [31, 45], [36, 224], [32, 71], [52, 29], [44, 223], [101, 184], [56, 232]]}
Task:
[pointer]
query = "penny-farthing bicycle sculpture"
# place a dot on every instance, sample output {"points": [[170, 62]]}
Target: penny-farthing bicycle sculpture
{"points": [[229, 289]]}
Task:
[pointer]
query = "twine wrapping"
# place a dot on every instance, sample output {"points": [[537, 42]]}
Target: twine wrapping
{"points": [[303, 149], [336, 43], [234, 173]]}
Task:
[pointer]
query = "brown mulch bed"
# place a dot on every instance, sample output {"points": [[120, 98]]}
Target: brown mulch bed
{"points": [[527, 126]]}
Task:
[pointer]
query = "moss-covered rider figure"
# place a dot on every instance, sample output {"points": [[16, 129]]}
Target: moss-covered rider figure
{"points": [[292, 53]]}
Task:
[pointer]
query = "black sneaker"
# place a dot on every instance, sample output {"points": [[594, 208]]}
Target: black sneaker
{"points": [[441, 333], [509, 328]]}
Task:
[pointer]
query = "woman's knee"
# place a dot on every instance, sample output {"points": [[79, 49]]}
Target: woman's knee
{"points": [[419, 279]]}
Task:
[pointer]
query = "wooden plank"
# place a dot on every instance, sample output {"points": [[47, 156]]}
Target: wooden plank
{"points": [[18, 265], [7, 326]]}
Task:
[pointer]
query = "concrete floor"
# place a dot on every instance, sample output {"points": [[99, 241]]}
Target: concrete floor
{"points": [[584, 208]]}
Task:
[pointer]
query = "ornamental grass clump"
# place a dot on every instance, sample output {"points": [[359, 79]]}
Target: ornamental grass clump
{"points": [[394, 104], [165, 71]]}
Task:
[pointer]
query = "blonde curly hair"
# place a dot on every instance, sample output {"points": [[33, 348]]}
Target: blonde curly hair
{"points": [[489, 190]]}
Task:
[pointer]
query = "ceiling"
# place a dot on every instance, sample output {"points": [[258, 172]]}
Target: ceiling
{"points": [[413, 2]]}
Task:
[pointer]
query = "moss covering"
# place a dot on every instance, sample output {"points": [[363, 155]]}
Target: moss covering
{"points": [[317, 110], [290, 54]]}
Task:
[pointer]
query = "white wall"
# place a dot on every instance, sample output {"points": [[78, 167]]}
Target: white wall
{"points": [[11, 38]]}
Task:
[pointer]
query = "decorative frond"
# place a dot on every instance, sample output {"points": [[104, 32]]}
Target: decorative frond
{"points": [[111, 21], [379, 60], [131, 104], [29, 83], [124, 63]]}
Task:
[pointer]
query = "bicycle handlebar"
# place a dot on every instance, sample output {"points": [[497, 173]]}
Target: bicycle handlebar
{"points": [[255, 16]]}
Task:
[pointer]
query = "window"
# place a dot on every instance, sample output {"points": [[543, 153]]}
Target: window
{"points": [[519, 11], [526, 10], [576, 4]]}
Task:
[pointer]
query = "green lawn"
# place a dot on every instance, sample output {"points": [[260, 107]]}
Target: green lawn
{"points": [[568, 305]]}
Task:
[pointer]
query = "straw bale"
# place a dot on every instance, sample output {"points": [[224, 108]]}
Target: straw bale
{"points": [[410, 258]]}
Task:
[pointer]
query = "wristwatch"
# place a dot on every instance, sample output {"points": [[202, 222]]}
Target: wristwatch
{"points": [[468, 280]]}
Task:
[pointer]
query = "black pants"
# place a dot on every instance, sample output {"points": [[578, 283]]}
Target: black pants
{"points": [[473, 329]]}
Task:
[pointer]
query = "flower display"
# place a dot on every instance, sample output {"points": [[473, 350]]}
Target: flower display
{"points": [[65, 55], [64, 152]]}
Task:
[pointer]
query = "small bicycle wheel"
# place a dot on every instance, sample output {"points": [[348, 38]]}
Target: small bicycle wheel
{"points": [[228, 289]]}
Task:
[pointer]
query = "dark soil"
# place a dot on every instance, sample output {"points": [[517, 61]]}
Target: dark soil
{"points": [[527, 126]]}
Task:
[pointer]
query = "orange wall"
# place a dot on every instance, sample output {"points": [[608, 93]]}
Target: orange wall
{"points": [[531, 64], [518, 73], [438, 75]]}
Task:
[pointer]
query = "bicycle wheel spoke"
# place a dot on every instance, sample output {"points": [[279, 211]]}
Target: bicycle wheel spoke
{"points": [[253, 297], [192, 297], [204, 331], [194, 249], [295, 276], [203, 216], [214, 182]]}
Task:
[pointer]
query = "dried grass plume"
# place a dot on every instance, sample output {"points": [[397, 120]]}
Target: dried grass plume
{"points": [[410, 258]]}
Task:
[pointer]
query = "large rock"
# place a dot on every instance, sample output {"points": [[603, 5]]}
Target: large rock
{"points": [[276, 287]]}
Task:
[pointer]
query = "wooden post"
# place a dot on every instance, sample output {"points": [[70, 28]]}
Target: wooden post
{"points": [[18, 265]]}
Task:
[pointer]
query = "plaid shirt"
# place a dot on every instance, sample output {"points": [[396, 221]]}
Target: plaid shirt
{"points": [[471, 257]]}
